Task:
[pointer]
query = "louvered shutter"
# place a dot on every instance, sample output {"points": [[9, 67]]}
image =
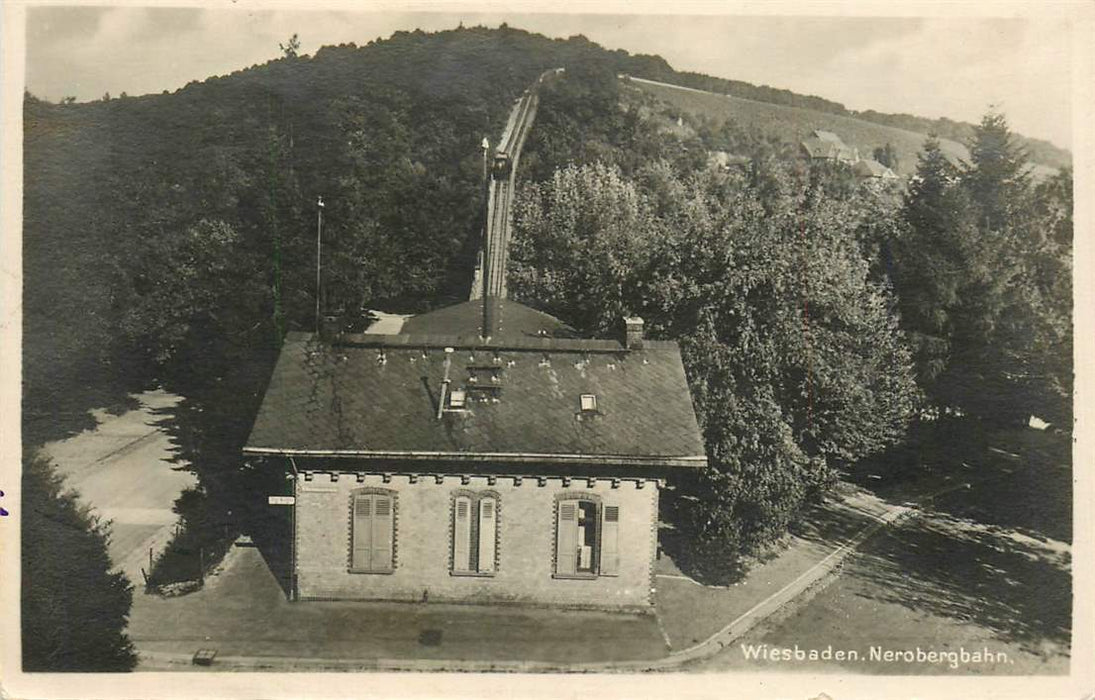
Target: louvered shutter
{"points": [[610, 553], [461, 534], [488, 523], [363, 517], [381, 534], [566, 538]]}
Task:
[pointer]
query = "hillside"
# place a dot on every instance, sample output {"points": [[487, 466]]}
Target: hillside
{"points": [[1039, 151], [121, 194], [137, 208], [792, 123]]}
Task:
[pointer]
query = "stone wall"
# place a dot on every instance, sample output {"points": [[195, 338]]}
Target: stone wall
{"points": [[423, 549]]}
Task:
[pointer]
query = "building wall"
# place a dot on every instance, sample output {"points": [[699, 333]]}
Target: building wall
{"points": [[423, 541]]}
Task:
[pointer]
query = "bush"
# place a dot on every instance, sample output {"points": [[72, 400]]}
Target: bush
{"points": [[201, 543], [74, 608]]}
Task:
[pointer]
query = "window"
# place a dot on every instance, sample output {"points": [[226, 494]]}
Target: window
{"points": [[474, 534], [586, 538], [589, 402], [457, 398], [373, 532]]}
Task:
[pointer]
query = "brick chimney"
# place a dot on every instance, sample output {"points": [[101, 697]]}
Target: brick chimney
{"points": [[633, 340]]}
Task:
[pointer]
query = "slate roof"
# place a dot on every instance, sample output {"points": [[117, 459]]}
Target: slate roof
{"points": [[375, 398]]}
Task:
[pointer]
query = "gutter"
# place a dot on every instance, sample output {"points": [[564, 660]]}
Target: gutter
{"points": [[694, 461]]}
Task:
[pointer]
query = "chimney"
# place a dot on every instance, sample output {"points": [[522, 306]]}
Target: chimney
{"points": [[330, 327], [634, 337]]}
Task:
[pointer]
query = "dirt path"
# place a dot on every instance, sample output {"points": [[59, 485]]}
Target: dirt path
{"points": [[124, 470], [941, 593]]}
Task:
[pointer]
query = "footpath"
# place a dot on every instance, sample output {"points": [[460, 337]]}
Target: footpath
{"points": [[126, 470], [262, 631]]}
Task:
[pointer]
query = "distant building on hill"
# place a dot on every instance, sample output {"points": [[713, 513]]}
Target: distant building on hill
{"points": [[870, 168], [724, 161], [825, 146]]}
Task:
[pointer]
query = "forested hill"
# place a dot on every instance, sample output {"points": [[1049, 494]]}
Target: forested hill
{"points": [[179, 229], [157, 225]]}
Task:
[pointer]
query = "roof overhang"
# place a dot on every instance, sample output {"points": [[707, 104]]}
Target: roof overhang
{"points": [[690, 461]]}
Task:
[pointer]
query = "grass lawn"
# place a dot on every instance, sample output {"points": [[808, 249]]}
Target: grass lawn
{"points": [[690, 613], [796, 123]]}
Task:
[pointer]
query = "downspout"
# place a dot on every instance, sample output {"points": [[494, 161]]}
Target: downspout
{"points": [[293, 538]]}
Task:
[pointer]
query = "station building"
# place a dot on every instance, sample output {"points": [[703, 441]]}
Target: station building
{"points": [[458, 462]]}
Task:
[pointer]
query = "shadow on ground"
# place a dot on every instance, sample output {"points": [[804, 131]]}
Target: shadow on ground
{"points": [[57, 401], [946, 566], [1032, 494]]}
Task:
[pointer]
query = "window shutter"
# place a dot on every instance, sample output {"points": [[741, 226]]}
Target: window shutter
{"points": [[382, 534], [363, 515], [610, 553], [488, 522], [566, 538], [461, 534]]}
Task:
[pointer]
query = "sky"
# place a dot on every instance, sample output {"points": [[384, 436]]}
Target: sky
{"points": [[929, 66]]}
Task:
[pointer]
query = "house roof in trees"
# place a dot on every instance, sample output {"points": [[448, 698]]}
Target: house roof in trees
{"points": [[869, 167], [828, 149], [376, 397]]}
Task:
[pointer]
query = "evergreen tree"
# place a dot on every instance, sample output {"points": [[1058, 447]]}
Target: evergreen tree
{"points": [[983, 276], [74, 608], [931, 256], [996, 177]]}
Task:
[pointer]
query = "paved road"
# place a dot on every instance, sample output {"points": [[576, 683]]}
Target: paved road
{"points": [[123, 469], [242, 612]]}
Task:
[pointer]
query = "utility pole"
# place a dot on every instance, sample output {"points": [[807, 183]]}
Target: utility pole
{"points": [[486, 150], [319, 259]]}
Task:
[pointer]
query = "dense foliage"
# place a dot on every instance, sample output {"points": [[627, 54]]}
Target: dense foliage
{"points": [[172, 238], [983, 270], [779, 283], [793, 355], [74, 609]]}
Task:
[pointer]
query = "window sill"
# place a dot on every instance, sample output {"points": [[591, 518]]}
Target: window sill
{"points": [[473, 574], [580, 577], [371, 571]]}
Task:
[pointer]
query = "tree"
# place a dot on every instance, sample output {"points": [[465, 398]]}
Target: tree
{"points": [[983, 275], [74, 609], [887, 155], [793, 355], [290, 48], [931, 261], [996, 177]]}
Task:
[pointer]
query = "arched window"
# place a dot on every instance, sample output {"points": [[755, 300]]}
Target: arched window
{"points": [[475, 533], [373, 549], [586, 537]]}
